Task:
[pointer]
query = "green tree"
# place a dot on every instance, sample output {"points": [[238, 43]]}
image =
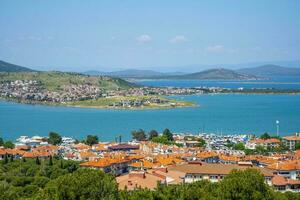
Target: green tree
{"points": [[82, 184], [247, 184], [265, 136], [239, 146], [50, 161], [5, 159], [167, 133], [139, 135], [9, 144], [201, 142], [152, 134], [54, 138], [1, 142], [91, 140], [297, 146], [37, 161]]}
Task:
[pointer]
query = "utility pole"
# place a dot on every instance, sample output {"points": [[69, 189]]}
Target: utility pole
{"points": [[277, 126]]}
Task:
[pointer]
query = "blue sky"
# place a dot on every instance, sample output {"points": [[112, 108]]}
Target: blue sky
{"points": [[109, 35]]}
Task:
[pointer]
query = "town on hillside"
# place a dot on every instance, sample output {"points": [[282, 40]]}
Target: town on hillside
{"points": [[170, 158]]}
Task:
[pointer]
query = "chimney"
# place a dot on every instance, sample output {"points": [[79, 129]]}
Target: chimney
{"points": [[137, 174], [162, 169]]}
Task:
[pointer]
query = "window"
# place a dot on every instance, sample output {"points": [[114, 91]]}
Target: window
{"points": [[213, 177]]}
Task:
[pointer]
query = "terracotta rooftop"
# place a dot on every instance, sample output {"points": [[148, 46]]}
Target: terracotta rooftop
{"points": [[278, 180], [285, 165], [206, 168], [292, 138]]}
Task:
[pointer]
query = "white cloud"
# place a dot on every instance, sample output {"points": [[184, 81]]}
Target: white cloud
{"points": [[143, 39], [178, 39], [215, 48]]}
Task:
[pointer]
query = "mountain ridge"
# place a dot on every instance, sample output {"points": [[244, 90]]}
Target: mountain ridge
{"points": [[9, 67], [271, 70]]}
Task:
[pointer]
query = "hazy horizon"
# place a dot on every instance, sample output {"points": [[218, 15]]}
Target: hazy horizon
{"points": [[162, 36]]}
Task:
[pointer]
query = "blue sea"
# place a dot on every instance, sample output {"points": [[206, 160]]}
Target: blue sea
{"points": [[221, 113], [282, 82]]}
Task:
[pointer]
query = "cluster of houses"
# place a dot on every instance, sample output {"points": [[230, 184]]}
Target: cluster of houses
{"points": [[140, 102], [144, 163], [31, 90]]}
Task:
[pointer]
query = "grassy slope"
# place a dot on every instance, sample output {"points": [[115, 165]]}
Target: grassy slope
{"points": [[104, 102], [53, 81]]}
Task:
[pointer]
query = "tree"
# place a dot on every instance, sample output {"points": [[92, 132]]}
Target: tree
{"points": [[82, 184], [247, 184], [54, 138], [152, 134], [168, 134], [139, 135], [91, 140], [5, 159], [201, 143], [239, 146], [9, 144], [1, 142], [265, 136], [50, 161], [297, 146], [37, 161]]}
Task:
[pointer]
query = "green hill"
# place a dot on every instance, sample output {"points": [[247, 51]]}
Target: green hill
{"points": [[8, 67], [53, 81]]}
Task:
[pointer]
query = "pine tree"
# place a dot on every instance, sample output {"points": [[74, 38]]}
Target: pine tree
{"points": [[50, 161], [37, 161], [5, 159]]}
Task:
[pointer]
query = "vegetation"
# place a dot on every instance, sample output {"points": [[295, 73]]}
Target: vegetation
{"points": [[91, 140], [109, 101], [139, 135], [152, 134], [53, 81], [25, 179], [22, 179], [297, 146], [265, 136], [167, 133], [6, 144], [239, 146], [54, 138]]}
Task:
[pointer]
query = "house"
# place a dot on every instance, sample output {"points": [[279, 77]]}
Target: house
{"points": [[116, 164], [289, 169], [214, 172], [123, 147], [291, 141], [149, 178], [267, 143], [208, 157], [283, 184], [139, 179]]}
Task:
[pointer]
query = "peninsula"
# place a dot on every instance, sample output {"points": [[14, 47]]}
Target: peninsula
{"points": [[78, 90]]}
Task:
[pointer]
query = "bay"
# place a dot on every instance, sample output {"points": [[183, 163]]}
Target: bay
{"points": [[221, 113]]}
